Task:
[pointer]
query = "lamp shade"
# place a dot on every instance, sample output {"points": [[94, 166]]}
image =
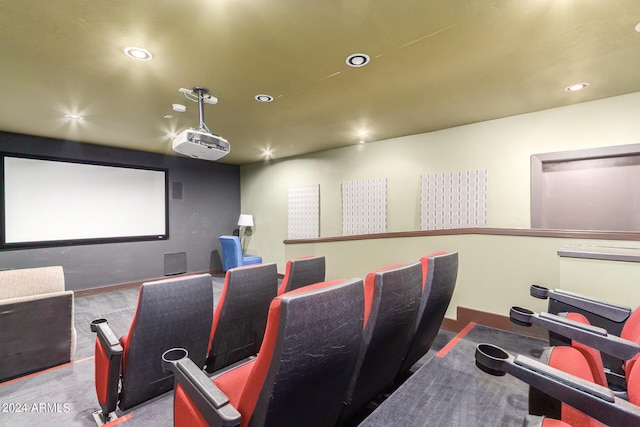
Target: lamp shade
{"points": [[245, 220]]}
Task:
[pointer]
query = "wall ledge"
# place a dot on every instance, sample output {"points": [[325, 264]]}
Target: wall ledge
{"points": [[570, 234], [600, 252]]}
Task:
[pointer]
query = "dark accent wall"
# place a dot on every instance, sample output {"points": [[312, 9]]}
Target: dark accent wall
{"points": [[208, 206]]}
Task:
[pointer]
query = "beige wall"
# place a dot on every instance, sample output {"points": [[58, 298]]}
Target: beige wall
{"points": [[502, 146], [495, 272]]}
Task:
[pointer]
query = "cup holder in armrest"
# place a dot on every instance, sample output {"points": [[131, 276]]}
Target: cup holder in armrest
{"points": [[520, 316], [539, 292], [172, 356], [491, 359], [96, 322]]}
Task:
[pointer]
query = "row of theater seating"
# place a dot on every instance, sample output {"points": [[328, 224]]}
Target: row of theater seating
{"points": [[178, 312], [322, 350], [573, 384]]}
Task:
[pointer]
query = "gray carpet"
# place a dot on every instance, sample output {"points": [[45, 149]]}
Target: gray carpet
{"points": [[453, 392]]}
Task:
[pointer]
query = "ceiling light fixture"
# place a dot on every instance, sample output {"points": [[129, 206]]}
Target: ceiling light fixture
{"points": [[638, 27], [358, 60], [138, 53], [73, 117], [576, 87], [179, 108], [264, 98]]}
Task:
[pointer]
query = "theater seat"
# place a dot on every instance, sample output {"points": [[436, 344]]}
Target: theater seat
{"points": [[175, 312], [439, 274], [585, 396], [241, 314], [591, 341], [609, 316], [391, 304], [570, 361], [302, 272], [232, 255], [301, 374]]}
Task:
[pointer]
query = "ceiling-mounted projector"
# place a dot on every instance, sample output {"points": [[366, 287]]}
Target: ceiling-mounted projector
{"points": [[201, 143]]}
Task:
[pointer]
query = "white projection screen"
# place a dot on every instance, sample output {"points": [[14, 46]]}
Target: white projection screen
{"points": [[50, 202]]}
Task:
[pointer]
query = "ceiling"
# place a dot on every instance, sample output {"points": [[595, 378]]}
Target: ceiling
{"points": [[434, 64]]}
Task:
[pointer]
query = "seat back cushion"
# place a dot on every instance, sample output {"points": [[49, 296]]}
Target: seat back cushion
{"points": [[571, 361], [302, 372], [231, 252], [631, 332], [425, 266], [241, 314], [303, 272], [185, 412], [442, 273], [394, 302], [591, 355], [31, 281], [171, 313]]}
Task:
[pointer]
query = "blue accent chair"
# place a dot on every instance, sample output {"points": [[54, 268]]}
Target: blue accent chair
{"points": [[232, 254]]}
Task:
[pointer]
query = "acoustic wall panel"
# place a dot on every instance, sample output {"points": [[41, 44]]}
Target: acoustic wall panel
{"points": [[364, 206], [304, 211], [453, 200]]}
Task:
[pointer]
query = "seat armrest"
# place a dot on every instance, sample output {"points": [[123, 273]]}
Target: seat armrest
{"points": [[209, 400], [592, 336], [108, 366], [613, 312], [108, 339], [592, 399]]}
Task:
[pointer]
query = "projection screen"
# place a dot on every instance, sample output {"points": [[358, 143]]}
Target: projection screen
{"points": [[51, 202]]}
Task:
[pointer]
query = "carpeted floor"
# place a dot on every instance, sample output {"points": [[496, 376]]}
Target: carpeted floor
{"points": [[447, 389]]}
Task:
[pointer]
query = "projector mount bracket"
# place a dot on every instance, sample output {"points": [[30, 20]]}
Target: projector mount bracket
{"points": [[201, 96]]}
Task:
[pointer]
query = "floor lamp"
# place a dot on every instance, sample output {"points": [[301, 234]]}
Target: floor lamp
{"points": [[244, 220]]}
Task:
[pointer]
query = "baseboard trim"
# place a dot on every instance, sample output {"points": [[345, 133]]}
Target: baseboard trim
{"points": [[131, 285], [466, 315]]}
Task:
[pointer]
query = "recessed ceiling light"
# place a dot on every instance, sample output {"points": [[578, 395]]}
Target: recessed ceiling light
{"points": [[576, 87], [638, 27], [179, 108], [267, 153], [264, 98], [357, 60], [73, 117], [138, 53], [168, 116]]}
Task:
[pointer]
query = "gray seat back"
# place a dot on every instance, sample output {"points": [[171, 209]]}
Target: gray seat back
{"points": [[241, 314], [442, 273], [393, 296], [171, 313], [303, 272]]}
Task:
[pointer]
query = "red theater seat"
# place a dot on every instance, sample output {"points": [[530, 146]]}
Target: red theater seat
{"points": [[439, 275], [170, 313], [302, 371], [584, 403], [302, 272], [391, 301], [241, 314]]}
